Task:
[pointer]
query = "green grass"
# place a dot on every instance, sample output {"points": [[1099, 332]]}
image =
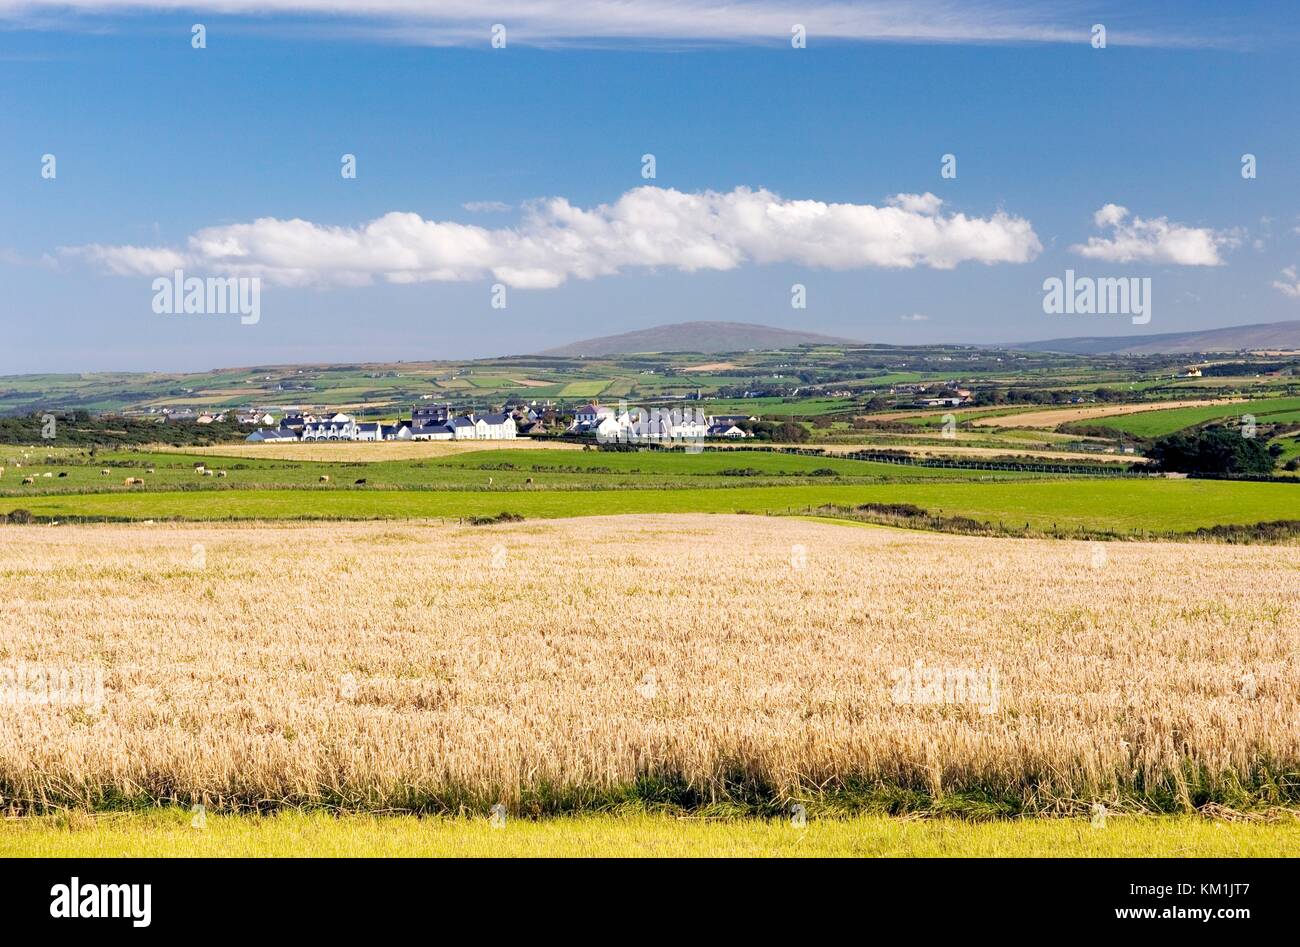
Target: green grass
{"points": [[584, 389], [168, 832], [505, 468], [1118, 505]]}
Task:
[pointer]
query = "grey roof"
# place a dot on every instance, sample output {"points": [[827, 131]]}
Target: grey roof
{"points": [[460, 422], [495, 418], [271, 434], [429, 428]]}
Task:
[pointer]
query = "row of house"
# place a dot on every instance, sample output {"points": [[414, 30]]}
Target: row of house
{"points": [[441, 423], [631, 425], [425, 425]]}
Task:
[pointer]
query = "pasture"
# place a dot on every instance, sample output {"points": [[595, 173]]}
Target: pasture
{"points": [[1127, 506]]}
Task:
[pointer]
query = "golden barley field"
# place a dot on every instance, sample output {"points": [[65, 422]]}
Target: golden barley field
{"points": [[689, 660]]}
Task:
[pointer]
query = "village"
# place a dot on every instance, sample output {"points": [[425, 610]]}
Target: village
{"points": [[603, 423]]}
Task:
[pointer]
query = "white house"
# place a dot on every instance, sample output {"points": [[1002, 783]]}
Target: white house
{"points": [[428, 432], [483, 427], [340, 427], [271, 434], [590, 414]]}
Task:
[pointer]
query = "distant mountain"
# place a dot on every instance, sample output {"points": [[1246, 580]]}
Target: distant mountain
{"points": [[1270, 335], [705, 337]]}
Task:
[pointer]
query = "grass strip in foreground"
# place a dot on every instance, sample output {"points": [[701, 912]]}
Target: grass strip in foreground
{"points": [[169, 833]]}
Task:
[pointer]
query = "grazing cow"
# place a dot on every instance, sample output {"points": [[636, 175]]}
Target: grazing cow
{"points": [[47, 474], [361, 482], [29, 479], [207, 473], [529, 480], [221, 473], [150, 470], [105, 472], [63, 473], [325, 478], [132, 481]]}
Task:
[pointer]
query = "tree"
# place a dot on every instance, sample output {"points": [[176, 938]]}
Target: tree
{"points": [[1212, 450], [792, 433]]}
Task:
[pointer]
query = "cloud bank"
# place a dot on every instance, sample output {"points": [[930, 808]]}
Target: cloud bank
{"points": [[555, 241], [1154, 240]]}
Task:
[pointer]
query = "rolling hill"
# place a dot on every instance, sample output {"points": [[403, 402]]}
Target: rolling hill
{"points": [[704, 337], [1267, 336]]}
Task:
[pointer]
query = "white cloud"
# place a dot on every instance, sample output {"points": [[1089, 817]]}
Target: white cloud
{"points": [[1291, 285], [128, 260], [916, 203], [486, 207], [645, 227], [915, 317], [1154, 240], [466, 22]]}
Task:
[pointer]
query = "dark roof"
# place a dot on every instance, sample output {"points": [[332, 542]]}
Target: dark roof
{"points": [[495, 418]]}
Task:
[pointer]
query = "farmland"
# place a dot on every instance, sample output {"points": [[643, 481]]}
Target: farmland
{"points": [[1107, 415], [424, 694], [1158, 423], [360, 644]]}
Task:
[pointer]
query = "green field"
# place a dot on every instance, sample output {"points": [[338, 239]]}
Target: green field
{"points": [[169, 833], [583, 389], [1159, 423], [74, 472], [1122, 506]]}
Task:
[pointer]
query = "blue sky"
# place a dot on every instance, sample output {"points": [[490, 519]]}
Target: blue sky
{"points": [[156, 141]]}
